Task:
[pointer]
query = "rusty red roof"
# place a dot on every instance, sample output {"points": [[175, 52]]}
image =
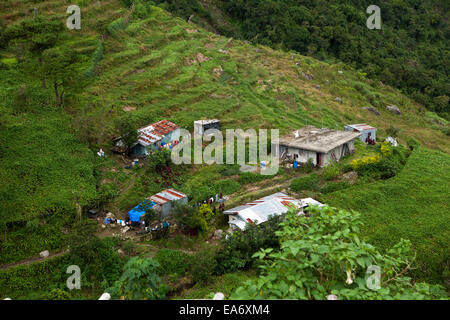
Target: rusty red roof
{"points": [[155, 131]]}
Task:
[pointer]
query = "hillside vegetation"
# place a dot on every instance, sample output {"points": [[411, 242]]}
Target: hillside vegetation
{"points": [[410, 52], [141, 62], [413, 205]]}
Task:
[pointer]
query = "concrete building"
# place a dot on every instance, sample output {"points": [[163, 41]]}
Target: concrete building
{"points": [[200, 126], [320, 145], [166, 198], [258, 211], [153, 136], [368, 133]]}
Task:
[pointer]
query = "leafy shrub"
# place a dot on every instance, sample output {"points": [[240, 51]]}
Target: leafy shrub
{"points": [[205, 211], [159, 159], [331, 171], [309, 165], [357, 164], [236, 251], [202, 266], [323, 254], [227, 186], [386, 149], [188, 216], [57, 294], [139, 281], [171, 262], [309, 182]]}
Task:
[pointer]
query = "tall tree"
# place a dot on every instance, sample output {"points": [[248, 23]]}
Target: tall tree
{"points": [[34, 35], [58, 66]]}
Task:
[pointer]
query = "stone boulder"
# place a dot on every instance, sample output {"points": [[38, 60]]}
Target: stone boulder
{"points": [[44, 254], [338, 99], [393, 109], [373, 110]]}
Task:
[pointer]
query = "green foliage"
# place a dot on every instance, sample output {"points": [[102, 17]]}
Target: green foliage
{"points": [[205, 211], [116, 26], [236, 251], [97, 56], [309, 165], [227, 186], [18, 282], [250, 177], [127, 129], [97, 257], [188, 216], [59, 68], [150, 216], [171, 262], [309, 182], [323, 254], [392, 131], [334, 186], [412, 205], [58, 294], [139, 281], [384, 165], [202, 265], [331, 171], [159, 159]]}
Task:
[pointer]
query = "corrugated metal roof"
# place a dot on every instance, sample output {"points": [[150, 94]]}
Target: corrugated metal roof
{"points": [[167, 195], [361, 127], [156, 131], [258, 211]]}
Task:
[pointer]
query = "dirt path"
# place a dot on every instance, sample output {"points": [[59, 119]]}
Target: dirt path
{"points": [[32, 260]]}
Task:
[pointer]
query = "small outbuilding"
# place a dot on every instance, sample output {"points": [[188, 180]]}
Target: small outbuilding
{"points": [[320, 145], [165, 198], [258, 211], [200, 126], [368, 133], [153, 136]]}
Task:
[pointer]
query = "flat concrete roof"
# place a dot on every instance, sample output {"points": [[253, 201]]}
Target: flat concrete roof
{"points": [[318, 140]]}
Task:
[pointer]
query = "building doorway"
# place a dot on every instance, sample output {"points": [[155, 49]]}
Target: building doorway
{"points": [[318, 159]]}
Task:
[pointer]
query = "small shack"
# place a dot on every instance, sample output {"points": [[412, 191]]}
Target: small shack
{"points": [[165, 198], [320, 145], [200, 126], [258, 211], [153, 136], [368, 133]]}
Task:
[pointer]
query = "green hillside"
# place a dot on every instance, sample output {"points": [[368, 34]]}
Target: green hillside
{"points": [[141, 62], [413, 205], [409, 52]]}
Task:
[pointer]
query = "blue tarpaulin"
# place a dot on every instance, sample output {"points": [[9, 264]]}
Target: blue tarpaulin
{"points": [[136, 213]]}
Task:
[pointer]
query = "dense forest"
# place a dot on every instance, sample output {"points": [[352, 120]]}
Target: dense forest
{"points": [[410, 52]]}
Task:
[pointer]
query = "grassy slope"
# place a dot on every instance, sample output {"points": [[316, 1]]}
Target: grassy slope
{"points": [[413, 205], [146, 66]]}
